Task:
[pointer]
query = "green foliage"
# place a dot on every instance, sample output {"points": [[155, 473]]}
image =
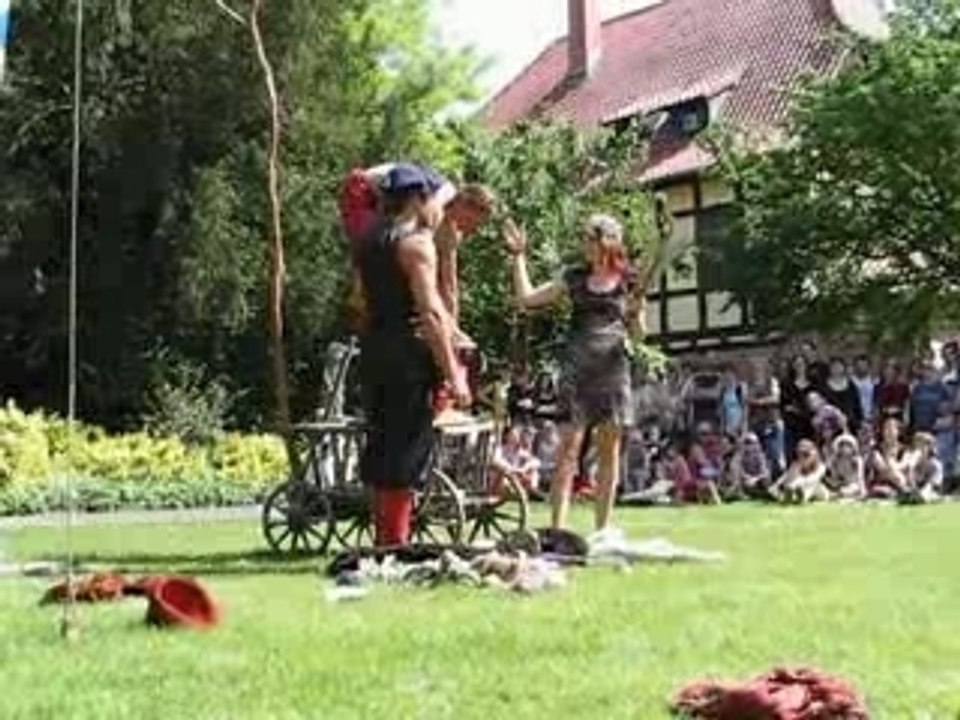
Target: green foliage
{"points": [[129, 470], [549, 177], [857, 218], [174, 221], [184, 402]]}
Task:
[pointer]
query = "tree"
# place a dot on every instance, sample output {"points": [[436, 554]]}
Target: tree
{"points": [[549, 177], [174, 209], [854, 223]]}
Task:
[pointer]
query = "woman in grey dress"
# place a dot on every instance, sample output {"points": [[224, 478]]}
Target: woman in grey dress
{"points": [[595, 380]]}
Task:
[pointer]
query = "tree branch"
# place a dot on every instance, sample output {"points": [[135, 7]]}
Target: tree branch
{"points": [[231, 13]]}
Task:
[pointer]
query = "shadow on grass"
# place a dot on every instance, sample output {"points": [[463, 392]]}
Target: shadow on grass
{"points": [[255, 562]]}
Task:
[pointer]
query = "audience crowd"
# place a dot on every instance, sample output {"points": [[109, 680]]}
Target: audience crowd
{"points": [[799, 431]]}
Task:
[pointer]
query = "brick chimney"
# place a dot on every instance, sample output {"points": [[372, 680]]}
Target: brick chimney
{"points": [[583, 43]]}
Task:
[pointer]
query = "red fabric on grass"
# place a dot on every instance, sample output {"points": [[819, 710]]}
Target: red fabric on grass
{"points": [[782, 694]]}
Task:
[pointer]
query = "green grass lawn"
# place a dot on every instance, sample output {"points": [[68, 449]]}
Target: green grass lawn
{"points": [[871, 593]]}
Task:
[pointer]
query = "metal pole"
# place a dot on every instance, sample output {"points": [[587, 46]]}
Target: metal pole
{"points": [[69, 627]]}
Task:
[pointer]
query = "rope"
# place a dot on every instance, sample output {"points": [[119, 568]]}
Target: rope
{"points": [[68, 623]]}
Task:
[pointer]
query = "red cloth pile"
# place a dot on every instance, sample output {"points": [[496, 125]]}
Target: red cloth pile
{"points": [[172, 601], [782, 694]]}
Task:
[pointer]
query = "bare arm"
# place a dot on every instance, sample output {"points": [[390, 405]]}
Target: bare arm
{"points": [[527, 296], [447, 245], [418, 258]]}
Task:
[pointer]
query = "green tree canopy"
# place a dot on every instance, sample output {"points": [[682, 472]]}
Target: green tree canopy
{"points": [[854, 222]]}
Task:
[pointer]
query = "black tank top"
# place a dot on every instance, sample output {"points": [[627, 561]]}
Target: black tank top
{"points": [[390, 350], [390, 303]]}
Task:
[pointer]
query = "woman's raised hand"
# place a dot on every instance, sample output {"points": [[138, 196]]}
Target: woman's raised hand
{"points": [[514, 238]]}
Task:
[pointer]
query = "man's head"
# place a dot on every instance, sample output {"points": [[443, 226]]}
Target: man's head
{"points": [[470, 208], [411, 191]]}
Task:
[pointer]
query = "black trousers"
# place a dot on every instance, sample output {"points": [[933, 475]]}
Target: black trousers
{"points": [[397, 376]]}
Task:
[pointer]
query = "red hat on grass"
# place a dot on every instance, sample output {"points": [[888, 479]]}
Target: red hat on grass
{"points": [[179, 602]]}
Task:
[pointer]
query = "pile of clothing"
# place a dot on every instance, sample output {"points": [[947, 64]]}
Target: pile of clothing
{"points": [[782, 694], [524, 562], [419, 567]]}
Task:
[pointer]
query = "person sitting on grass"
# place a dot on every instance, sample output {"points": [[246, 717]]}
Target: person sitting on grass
{"points": [[828, 421], [705, 475], [750, 468], [845, 469], [515, 459], [925, 473], [803, 481], [888, 464], [729, 483]]}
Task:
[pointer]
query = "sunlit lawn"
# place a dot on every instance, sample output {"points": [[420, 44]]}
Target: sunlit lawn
{"points": [[870, 593]]}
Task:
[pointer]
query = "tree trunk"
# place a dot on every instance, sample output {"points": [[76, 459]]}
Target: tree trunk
{"points": [[278, 358]]}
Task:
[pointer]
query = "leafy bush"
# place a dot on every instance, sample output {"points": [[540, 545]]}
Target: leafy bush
{"points": [[184, 402], [135, 470]]}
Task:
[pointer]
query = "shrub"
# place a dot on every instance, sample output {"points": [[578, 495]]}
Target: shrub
{"points": [[183, 401], [135, 470]]}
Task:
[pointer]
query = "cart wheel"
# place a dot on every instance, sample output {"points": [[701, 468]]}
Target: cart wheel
{"points": [[297, 518], [438, 515], [498, 516], [354, 526]]}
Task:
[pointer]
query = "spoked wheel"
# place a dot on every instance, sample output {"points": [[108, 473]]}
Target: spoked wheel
{"points": [[297, 518], [497, 516], [354, 526], [439, 517]]}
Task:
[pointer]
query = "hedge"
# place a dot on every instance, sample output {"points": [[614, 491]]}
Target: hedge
{"points": [[38, 452]]}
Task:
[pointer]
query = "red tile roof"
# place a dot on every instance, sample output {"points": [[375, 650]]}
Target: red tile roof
{"points": [[755, 51]]}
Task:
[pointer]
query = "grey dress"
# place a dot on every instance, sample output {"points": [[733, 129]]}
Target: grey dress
{"points": [[595, 383]]}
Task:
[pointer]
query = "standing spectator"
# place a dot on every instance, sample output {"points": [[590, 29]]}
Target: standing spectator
{"points": [[763, 415], [841, 392], [927, 399], [732, 406], [893, 394], [793, 403], [845, 468], [866, 383], [816, 368], [520, 403]]}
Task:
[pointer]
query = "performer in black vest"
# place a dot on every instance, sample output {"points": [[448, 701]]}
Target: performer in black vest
{"points": [[406, 346]]}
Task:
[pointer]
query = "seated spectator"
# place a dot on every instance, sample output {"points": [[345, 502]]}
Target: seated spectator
{"points": [[888, 464], [845, 478], [675, 476], [514, 458], [803, 481], [828, 421], [705, 474], [729, 482], [750, 469], [925, 474]]}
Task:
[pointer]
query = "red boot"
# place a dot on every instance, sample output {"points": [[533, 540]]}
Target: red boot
{"points": [[393, 508]]}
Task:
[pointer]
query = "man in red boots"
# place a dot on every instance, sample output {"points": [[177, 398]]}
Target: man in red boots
{"points": [[407, 345]]}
